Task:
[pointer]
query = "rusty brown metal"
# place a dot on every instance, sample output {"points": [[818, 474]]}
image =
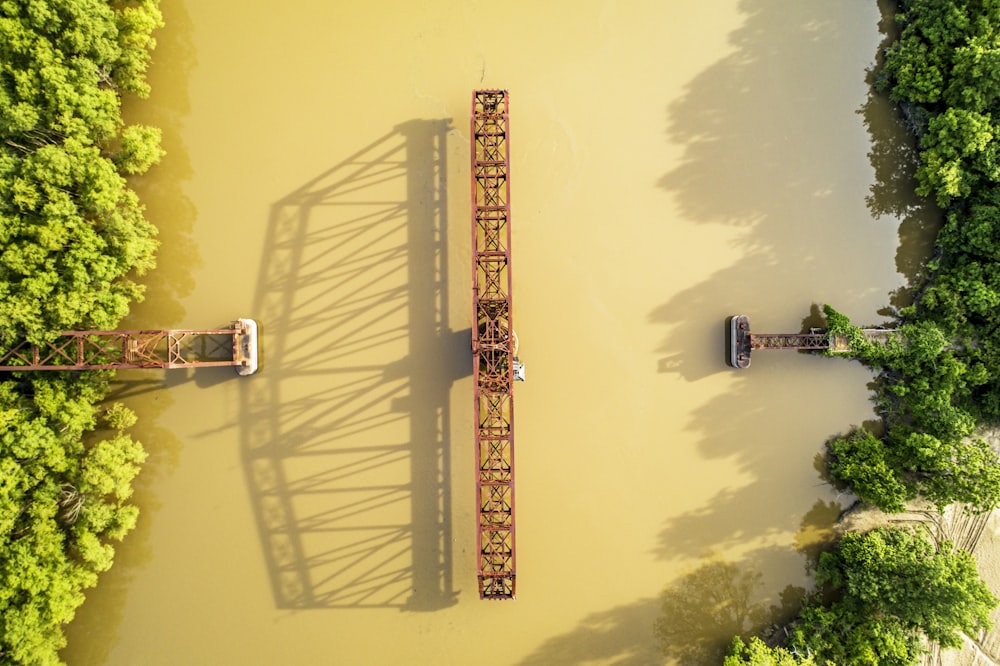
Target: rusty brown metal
{"points": [[741, 342], [493, 344], [789, 341], [138, 349]]}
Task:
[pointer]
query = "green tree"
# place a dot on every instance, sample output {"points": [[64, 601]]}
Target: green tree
{"points": [[894, 589], [756, 653], [957, 153], [861, 460]]}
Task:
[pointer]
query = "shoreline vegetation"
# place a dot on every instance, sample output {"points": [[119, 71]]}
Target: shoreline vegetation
{"points": [[73, 241], [889, 594]]}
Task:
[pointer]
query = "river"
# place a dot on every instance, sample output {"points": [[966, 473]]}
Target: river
{"points": [[673, 163]]}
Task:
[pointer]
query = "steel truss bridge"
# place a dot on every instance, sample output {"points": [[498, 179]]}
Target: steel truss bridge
{"points": [[235, 346], [493, 344], [742, 342], [818, 340]]}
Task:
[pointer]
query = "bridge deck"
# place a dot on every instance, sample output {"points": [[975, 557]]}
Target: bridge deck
{"points": [[741, 342], [493, 345], [235, 346]]}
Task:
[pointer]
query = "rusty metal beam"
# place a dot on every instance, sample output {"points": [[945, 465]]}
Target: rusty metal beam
{"points": [[138, 349], [789, 341], [493, 344], [741, 342]]}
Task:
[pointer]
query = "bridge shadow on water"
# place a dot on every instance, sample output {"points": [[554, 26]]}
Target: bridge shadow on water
{"points": [[345, 431]]}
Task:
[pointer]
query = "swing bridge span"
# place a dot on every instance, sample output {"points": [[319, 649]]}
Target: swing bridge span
{"points": [[741, 342], [494, 344]]}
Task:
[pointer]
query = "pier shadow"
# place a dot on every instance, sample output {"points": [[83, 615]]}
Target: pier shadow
{"points": [[345, 432]]}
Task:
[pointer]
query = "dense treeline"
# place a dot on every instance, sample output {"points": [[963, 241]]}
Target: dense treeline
{"points": [[889, 591], [73, 239], [945, 382]]}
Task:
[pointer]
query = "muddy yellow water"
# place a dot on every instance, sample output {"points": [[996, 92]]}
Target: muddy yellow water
{"points": [[673, 163]]}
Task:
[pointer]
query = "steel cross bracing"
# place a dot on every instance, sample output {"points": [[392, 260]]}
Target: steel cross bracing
{"points": [[493, 344], [789, 341], [123, 350]]}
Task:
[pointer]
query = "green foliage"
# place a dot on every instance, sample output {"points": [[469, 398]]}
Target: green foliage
{"points": [[861, 460], [917, 65], [894, 590], [63, 499], [139, 149], [72, 239], [891, 589], [928, 393], [887, 593], [72, 232], [844, 634], [756, 653]]}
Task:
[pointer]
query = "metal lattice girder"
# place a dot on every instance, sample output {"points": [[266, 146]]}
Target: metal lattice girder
{"points": [[493, 343], [495, 465], [124, 350], [492, 275], [492, 221], [789, 341]]}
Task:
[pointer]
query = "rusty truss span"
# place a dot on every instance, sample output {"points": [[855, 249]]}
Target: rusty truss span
{"points": [[741, 342], [124, 350], [493, 344]]}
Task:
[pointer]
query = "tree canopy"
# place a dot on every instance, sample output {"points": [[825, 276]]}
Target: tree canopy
{"points": [[936, 390], [73, 240], [73, 233], [894, 591]]}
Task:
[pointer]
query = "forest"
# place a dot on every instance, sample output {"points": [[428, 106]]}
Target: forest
{"points": [[73, 243], [884, 596]]}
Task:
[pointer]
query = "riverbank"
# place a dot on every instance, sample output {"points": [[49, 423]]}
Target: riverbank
{"points": [[978, 534]]}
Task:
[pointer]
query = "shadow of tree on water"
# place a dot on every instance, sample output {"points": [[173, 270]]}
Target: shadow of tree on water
{"points": [[161, 190], [93, 633], [773, 149], [702, 612], [619, 636], [894, 158], [693, 621]]}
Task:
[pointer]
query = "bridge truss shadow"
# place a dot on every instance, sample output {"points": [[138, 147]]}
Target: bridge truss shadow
{"points": [[345, 431]]}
